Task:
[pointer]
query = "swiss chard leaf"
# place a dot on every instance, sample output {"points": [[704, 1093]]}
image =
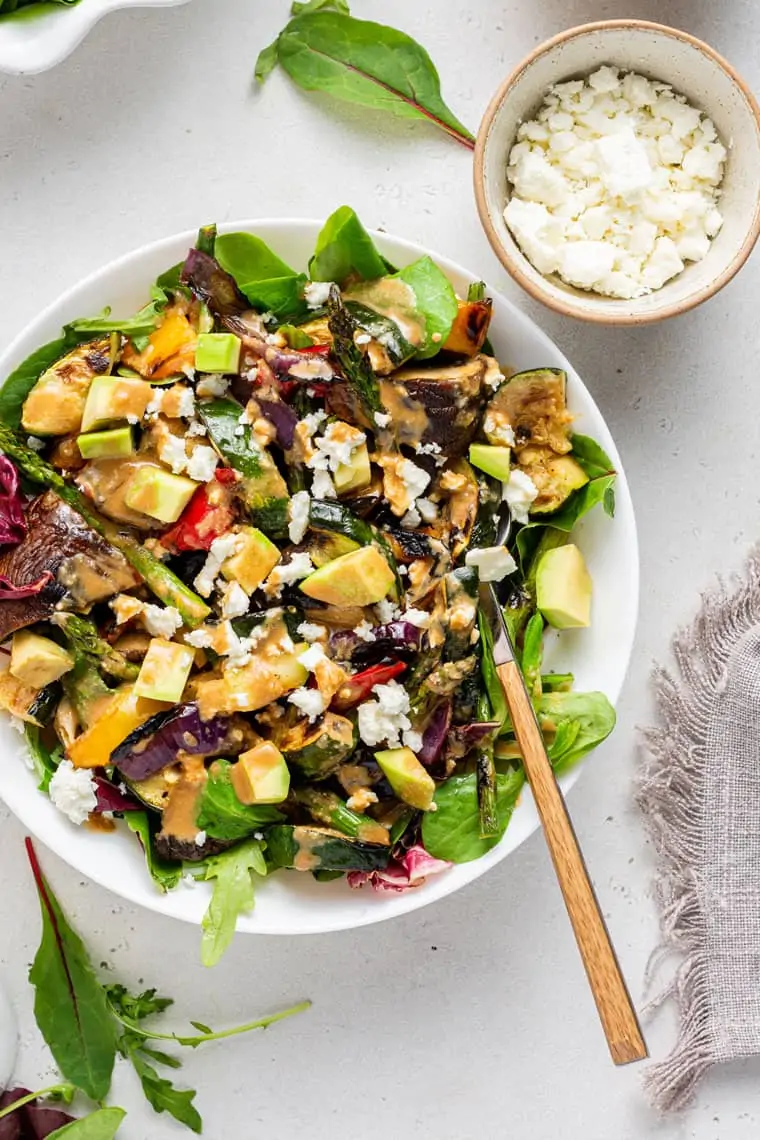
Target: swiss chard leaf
{"points": [[436, 300], [25, 1114], [591, 712], [23, 378], [261, 276], [221, 814], [100, 1125], [345, 250], [365, 63], [70, 1004], [452, 832], [164, 874], [233, 895], [162, 1095]]}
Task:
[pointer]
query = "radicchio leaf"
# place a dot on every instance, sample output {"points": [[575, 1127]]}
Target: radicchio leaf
{"points": [[401, 874], [13, 527], [111, 798], [435, 734]]}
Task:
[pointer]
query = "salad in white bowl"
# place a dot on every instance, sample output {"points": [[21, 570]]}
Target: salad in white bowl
{"points": [[35, 36]]}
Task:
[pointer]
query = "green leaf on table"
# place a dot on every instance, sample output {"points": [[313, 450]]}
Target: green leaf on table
{"points": [[267, 282], [162, 1095], [44, 760], [345, 250], [164, 874], [23, 378], [267, 61], [435, 299], [70, 1004], [301, 7], [135, 1007], [232, 872], [368, 64], [100, 1125], [452, 831], [591, 712], [221, 814]]}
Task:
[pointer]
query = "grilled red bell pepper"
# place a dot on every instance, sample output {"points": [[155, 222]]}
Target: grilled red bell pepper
{"points": [[359, 687], [207, 516]]}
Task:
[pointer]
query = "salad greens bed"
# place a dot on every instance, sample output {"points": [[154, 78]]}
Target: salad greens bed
{"points": [[242, 534], [87, 1025]]}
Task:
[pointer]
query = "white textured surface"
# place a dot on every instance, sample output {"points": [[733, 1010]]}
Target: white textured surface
{"points": [[492, 1033]]}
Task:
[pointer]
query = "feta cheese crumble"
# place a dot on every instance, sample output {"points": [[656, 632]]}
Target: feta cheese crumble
{"points": [[220, 550], [73, 791], [160, 621], [317, 293], [202, 463], [308, 701], [493, 562], [519, 492], [235, 601], [383, 720], [285, 573], [615, 184], [311, 631], [299, 516]]}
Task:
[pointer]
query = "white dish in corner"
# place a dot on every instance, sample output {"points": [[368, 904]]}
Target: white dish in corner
{"points": [[30, 44], [288, 902]]}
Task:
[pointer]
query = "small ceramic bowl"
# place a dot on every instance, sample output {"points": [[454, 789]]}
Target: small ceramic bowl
{"points": [[694, 70], [36, 42]]}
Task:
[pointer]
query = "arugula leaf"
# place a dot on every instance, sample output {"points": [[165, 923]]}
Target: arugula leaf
{"points": [[140, 325], [163, 1096], [436, 300], [23, 378], [268, 283], [44, 760], [221, 814], [233, 895], [344, 249], [70, 1005], [593, 714], [135, 1007], [452, 832], [365, 63], [100, 1125], [166, 875]]}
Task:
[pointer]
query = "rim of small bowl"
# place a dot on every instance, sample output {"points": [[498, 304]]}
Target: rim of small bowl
{"points": [[513, 264]]}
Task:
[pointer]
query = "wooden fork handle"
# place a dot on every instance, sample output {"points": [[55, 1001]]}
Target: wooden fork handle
{"points": [[613, 1001]]}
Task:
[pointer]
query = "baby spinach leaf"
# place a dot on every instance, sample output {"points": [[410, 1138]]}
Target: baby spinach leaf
{"points": [[23, 378], [70, 1005], [142, 324], [233, 896], [452, 832], [221, 814], [591, 456], [344, 249], [608, 501], [267, 61], [593, 714], [264, 279], [100, 1125], [44, 760], [365, 63], [299, 8], [171, 279], [576, 506], [162, 1095], [436, 300], [164, 874]]}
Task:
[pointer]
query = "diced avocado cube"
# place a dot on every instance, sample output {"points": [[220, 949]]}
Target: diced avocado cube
{"points": [[494, 461], [410, 781], [217, 352], [118, 443], [164, 671], [355, 475], [113, 398], [360, 578], [563, 588], [36, 660], [158, 493], [254, 560], [261, 775]]}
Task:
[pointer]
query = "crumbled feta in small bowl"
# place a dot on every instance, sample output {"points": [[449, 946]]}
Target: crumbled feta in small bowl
{"points": [[615, 196]]}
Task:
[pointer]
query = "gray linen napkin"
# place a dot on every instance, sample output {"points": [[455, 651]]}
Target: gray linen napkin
{"points": [[700, 795]]}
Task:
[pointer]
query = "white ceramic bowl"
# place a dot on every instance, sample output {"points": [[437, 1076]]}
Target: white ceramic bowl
{"points": [[289, 902], [29, 44], [694, 70]]}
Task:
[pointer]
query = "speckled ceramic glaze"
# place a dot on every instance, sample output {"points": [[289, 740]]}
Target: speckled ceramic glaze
{"points": [[694, 70]]}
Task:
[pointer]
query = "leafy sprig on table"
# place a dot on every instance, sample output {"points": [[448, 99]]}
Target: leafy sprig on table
{"points": [[324, 48], [86, 1024]]}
